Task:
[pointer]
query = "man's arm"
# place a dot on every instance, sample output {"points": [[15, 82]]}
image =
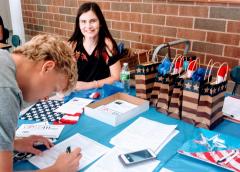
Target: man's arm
{"points": [[6, 161]]}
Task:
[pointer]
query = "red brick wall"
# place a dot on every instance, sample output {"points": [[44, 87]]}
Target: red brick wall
{"points": [[212, 28]]}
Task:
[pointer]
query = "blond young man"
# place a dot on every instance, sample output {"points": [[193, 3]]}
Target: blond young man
{"points": [[33, 71]]}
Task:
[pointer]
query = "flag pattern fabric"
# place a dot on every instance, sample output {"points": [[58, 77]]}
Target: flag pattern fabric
{"points": [[44, 111], [229, 159]]}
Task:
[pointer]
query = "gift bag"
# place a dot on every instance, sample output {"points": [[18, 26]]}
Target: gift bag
{"points": [[211, 99], [144, 77], [191, 93], [175, 105], [133, 57], [155, 90], [163, 69], [166, 85]]}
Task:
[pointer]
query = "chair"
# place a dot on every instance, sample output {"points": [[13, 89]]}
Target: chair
{"points": [[235, 76], [16, 40]]}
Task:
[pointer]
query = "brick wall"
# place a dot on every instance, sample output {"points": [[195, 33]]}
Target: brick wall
{"points": [[212, 28]]}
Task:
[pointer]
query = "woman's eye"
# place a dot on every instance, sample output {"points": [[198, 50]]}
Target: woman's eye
{"points": [[93, 21], [83, 21]]}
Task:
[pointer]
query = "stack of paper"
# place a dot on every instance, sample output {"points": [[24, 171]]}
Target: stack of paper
{"points": [[117, 107], [90, 150], [111, 163], [144, 133], [75, 105], [42, 129]]}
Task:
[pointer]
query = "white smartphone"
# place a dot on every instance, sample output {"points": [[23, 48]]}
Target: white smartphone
{"points": [[137, 156]]}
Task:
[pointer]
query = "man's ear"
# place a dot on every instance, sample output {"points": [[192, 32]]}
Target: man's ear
{"points": [[48, 66]]}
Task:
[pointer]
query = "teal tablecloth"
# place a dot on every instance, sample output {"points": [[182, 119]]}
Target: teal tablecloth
{"points": [[169, 157]]}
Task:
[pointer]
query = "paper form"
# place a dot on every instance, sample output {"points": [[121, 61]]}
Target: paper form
{"points": [[90, 149], [42, 129], [143, 133], [75, 105], [111, 163]]}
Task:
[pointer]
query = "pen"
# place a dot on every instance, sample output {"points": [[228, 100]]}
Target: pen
{"points": [[226, 157], [68, 149]]}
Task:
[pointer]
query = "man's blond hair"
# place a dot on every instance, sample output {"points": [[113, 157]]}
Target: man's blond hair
{"points": [[49, 47]]}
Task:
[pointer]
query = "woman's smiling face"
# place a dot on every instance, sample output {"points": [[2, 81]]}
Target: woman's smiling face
{"points": [[89, 24]]}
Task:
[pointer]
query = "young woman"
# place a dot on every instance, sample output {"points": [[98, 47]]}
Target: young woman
{"points": [[95, 49]]}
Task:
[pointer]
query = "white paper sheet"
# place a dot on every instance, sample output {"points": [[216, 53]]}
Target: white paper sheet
{"points": [[231, 107], [42, 129], [111, 163], [168, 139], [75, 105], [165, 170], [143, 133], [91, 150], [121, 106]]}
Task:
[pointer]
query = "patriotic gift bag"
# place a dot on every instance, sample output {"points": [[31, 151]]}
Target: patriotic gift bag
{"points": [[133, 57], [175, 105], [144, 77], [214, 148], [155, 90], [191, 93], [162, 72], [166, 85], [211, 99]]}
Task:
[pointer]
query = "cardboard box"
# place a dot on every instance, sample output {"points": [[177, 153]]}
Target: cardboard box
{"points": [[93, 111]]}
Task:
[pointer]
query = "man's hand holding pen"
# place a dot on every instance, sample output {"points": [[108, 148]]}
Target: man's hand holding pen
{"points": [[73, 158]]}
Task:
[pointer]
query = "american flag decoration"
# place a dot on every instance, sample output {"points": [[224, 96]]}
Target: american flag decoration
{"points": [[229, 159], [214, 151], [44, 111]]}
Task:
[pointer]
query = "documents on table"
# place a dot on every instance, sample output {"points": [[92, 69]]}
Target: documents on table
{"points": [[168, 139], [90, 149], [165, 170], [144, 133], [73, 106], [117, 106], [231, 108], [42, 128], [111, 163]]}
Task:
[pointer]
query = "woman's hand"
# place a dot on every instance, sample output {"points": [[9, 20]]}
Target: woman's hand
{"points": [[26, 144]]}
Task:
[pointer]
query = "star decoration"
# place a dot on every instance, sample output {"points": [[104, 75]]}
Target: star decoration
{"points": [[139, 70], [147, 70], [152, 69], [143, 70], [222, 87], [213, 90], [206, 90], [188, 85], [196, 87]]}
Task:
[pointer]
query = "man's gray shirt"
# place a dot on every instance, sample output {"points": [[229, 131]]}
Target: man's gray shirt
{"points": [[11, 101]]}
